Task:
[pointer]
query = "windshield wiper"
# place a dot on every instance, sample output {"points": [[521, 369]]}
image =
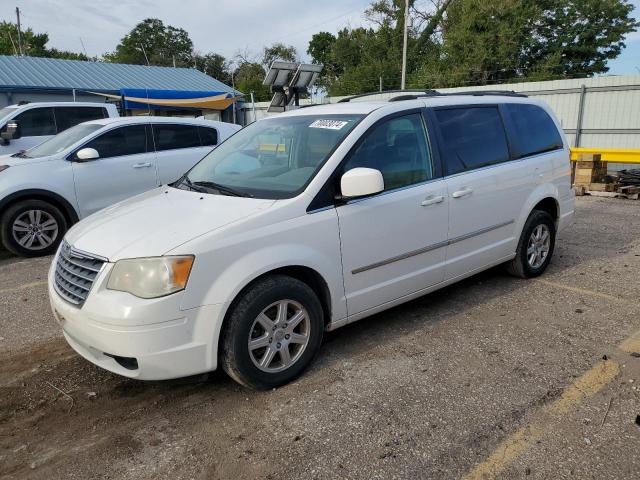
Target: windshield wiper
{"points": [[185, 181], [221, 188]]}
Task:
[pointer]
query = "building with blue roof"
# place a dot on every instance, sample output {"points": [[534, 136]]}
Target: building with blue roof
{"points": [[137, 89]]}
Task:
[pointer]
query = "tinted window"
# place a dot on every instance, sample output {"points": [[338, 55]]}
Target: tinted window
{"points": [[67, 117], [536, 132], [473, 137], [37, 121], [399, 149], [120, 141], [169, 137], [208, 136]]}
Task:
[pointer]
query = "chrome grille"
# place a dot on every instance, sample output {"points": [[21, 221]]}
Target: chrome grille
{"points": [[75, 273]]}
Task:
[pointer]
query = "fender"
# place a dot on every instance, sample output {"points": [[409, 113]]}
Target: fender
{"points": [[69, 211], [240, 273]]}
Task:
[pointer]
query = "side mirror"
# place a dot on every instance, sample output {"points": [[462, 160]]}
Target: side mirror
{"points": [[360, 182], [11, 131], [86, 154]]}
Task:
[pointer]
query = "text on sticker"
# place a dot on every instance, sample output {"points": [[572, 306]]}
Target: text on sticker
{"points": [[330, 124]]}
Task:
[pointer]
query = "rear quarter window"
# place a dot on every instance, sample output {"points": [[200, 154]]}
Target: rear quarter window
{"points": [[173, 136], [534, 129]]}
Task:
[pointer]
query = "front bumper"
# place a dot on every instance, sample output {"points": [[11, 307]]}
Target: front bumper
{"points": [[165, 341]]}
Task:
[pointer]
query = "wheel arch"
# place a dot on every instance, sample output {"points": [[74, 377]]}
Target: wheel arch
{"points": [[551, 206], [305, 274], [70, 214]]}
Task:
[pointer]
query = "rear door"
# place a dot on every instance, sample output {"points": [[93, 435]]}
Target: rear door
{"points": [[126, 167], [393, 243], [178, 148], [487, 186]]}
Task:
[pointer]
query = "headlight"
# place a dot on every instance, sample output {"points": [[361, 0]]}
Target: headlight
{"points": [[151, 277]]}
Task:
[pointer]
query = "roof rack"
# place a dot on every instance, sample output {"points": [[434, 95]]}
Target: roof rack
{"points": [[422, 91], [474, 93], [418, 93]]}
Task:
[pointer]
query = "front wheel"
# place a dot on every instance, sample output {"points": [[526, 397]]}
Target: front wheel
{"points": [[272, 333], [535, 246], [32, 228]]}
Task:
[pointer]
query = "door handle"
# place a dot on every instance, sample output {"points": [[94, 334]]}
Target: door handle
{"points": [[142, 165], [462, 193], [432, 200]]}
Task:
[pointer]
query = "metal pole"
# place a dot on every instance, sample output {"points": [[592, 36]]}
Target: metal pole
{"points": [[233, 86], [380, 82], [19, 32], [253, 106], [404, 44], [583, 94]]}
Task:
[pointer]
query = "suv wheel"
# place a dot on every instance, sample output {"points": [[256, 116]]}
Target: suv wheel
{"points": [[32, 228], [272, 333], [535, 247]]}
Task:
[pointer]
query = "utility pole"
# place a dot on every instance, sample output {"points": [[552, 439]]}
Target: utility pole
{"points": [[19, 32], [233, 86], [404, 44]]}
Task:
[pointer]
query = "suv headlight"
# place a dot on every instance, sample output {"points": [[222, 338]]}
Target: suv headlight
{"points": [[151, 277]]}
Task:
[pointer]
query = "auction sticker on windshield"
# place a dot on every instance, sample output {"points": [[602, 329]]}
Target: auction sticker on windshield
{"points": [[330, 124]]}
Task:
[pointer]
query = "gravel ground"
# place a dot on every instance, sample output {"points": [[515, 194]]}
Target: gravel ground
{"points": [[429, 389]]}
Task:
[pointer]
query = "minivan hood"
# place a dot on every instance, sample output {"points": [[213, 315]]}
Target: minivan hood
{"points": [[157, 221]]}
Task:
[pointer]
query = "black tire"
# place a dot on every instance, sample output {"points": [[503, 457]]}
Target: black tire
{"points": [[235, 356], [37, 248], [520, 266]]}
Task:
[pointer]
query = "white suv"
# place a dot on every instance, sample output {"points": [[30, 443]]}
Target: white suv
{"points": [[49, 187], [26, 125], [307, 221]]}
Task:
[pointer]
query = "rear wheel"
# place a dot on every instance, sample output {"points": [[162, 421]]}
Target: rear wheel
{"points": [[535, 247], [32, 228], [273, 332]]}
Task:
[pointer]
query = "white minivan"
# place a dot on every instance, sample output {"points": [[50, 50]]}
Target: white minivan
{"points": [[306, 221], [26, 124], [46, 189]]}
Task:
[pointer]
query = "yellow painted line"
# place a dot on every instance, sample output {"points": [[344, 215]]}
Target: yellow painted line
{"points": [[506, 452], [631, 344], [584, 291], [23, 286], [586, 386]]}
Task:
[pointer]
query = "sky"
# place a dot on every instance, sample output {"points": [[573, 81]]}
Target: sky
{"points": [[227, 27]]}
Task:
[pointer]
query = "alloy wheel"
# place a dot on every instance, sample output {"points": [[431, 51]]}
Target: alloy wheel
{"points": [[279, 336], [35, 229], [538, 246]]}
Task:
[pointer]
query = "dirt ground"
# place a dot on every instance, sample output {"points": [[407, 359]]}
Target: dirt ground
{"points": [[492, 377]]}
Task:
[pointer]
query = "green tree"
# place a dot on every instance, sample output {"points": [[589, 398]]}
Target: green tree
{"points": [[153, 42], [214, 65], [33, 44], [248, 78], [503, 40], [470, 42], [278, 51]]}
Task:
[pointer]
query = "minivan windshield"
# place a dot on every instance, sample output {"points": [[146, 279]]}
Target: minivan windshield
{"points": [[273, 158], [62, 141]]}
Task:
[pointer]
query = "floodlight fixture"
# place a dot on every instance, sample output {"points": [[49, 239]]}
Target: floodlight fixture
{"points": [[287, 80]]}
